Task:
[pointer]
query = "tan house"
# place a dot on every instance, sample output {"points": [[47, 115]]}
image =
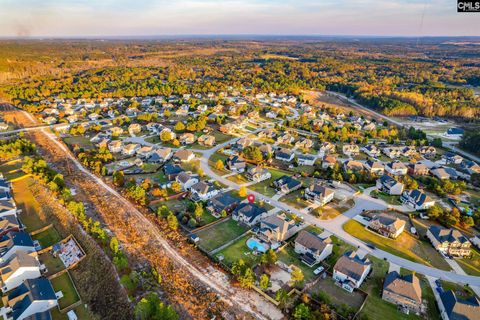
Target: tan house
{"points": [[449, 241], [351, 150], [304, 144], [187, 138], [418, 169], [277, 228], [387, 226], [403, 291], [206, 140]]}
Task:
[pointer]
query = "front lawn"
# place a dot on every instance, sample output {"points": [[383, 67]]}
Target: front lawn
{"points": [[65, 284], [212, 161], [82, 141], [214, 237], [405, 246], [47, 237], [239, 250], [471, 265], [296, 199], [238, 179]]}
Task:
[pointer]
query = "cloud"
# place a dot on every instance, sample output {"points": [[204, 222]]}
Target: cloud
{"points": [[162, 17]]}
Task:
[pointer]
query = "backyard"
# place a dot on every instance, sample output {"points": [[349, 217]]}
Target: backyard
{"points": [[239, 250], [65, 284], [405, 246], [52, 263], [47, 237], [288, 256], [219, 234], [28, 204]]}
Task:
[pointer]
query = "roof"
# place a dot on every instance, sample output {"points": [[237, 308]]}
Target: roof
{"points": [[455, 131], [407, 286], [320, 190], [183, 154], [14, 238], [287, 181], [447, 235], [223, 200], [249, 210], [19, 260], [460, 309], [201, 187], [387, 220], [277, 222], [172, 169], [352, 265], [284, 153], [183, 177], [39, 289], [312, 241], [7, 205], [418, 196]]}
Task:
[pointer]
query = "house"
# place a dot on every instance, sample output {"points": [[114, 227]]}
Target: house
{"points": [[418, 169], [440, 173], [228, 128], [249, 213], [452, 158], [284, 155], [449, 241], [470, 166], [242, 143], [258, 174], [371, 150], [304, 144], [130, 149], [327, 148], [387, 225], [328, 162], [375, 167], [266, 150], [428, 151], [312, 248], [115, 131], [222, 202], [187, 138], [160, 155], [392, 152], [417, 199], [277, 228], [396, 168], [186, 180], [319, 194], [306, 159], [350, 270], [115, 146], [5, 185], [287, 184], [8, 224], [285, 138], [267, 133], [457, 308], [7, 207], [171, 171], [403, 291], [351, 150], [184, 155], [134, 129], [14, 242], [235, 164], [409, 151], [202, 191], [389, 185], [454, 133], [206, 140], [31, 300], [19, 268], [352, 165], [144, 152], [3, 126]]}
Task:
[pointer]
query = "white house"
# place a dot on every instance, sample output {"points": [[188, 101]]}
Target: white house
{"points": [[202, 191], [319, 194], [312, 248], [186, 180], [396, 168], [389, 185], [14, 242], [417, 199], [7, 207], [306, 160], [19, 268], [350, 271]]}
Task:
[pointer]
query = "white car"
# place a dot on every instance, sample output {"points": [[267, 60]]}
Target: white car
{"points": [[318, 270]]}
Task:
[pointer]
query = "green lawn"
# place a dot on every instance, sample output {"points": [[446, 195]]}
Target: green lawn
{"points": [[214, 237], [462, 291], [28, 204], [264, 186], [405, 246], [52, 263], [48, 237], [220, 137], [81, 141], [288, 256], [295, 199], [12, 170], [238, 178], [471, 265], [81, 312], [239, 250], [376, 308], [65, 284], [213, 161], [392, 200]]}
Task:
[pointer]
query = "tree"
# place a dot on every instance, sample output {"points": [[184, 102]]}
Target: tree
{"points": [[281, 296], [151, 308], [179, 127], [467, 221], [119, 178], [247, 278], [114, 246], [434, 212], [172, 221], [219, 165], [242, 192], [166, 136], [271, 256], [198, 210], [264, 282], [176, 187], [301, 312], [297, 276]]}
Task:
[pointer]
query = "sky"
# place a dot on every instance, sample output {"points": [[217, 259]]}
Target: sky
{"points": [[97, 18]]}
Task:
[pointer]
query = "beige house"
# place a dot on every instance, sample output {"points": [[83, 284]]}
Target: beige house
{"points": [[277, 228], [387, 225], [312, 248], [206, 140], [403, 291], [449, 241]]}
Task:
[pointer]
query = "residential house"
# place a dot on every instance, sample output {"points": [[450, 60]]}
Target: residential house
{"points": [[403, 291], [171, 171], [266, 150], [285, 138], [14, 242], [130, 149], [134, 129], [328, 162], [352, 165], [306, 159], [249, 213], [287, 184], [428, 151], [186, 180], [454, 133], [115, 131], [242, 143], [311, 248], [452, 158], [144, 152], [304, 144], [228, 128], [371, 150], [470, 166], [375, 167], [449, 241], [440, 173], [8, 224], [258, 174], [184, 155], [206, 140], [115, 146], [350, 270], [351, 150], [392, 152], [387, 225], [160, 155], [19, 268], [458, 308], [319, 194], [418, 169], [409, 151], [396, 168], [277, 228], [31, 300], [389, 185], [327, 148], [187, 138], [202, 191], [222, 202], [7, 207], [268, 133], [235, 164], [284, 155], [417, 199]]}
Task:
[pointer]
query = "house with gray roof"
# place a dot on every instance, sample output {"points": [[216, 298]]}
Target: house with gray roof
{"points": [[287, 184], [312, 248], [449, 241], [350, 270], [249, 213], [389, 185], [14, 242], [19, 268], [457, 308], [417, 199], [222, 202]]}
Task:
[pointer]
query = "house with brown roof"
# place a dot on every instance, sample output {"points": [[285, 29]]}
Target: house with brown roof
{"points": [[319, 194], [428, 151], [327, 148], [396, 168], [387, 225], [351, 150], [350, 270], [184, 155], [418, 169], [328, 162], [206, 140], [187, 138], [311, 248], [457, 308], [353, 165], [403, 291], [375, 167]]}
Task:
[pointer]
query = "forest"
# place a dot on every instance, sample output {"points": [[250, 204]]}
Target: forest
{"points": [[396, 77]]}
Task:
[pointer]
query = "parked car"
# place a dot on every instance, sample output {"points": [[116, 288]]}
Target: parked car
{"points": [[318, 270], [371, 246]]}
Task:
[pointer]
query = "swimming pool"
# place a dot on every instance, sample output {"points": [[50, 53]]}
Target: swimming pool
{"points": [[253, 244]]}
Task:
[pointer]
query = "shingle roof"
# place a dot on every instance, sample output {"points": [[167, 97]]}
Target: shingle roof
{"points": [[460, 309], [447, 235], [312, 242], [407, 286], [352, 265]]}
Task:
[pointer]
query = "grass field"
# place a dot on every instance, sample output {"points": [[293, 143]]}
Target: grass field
{"points": [[81, 312], [52, 263], [216, 236], [81, 141], [295, 199], [471, 265], [213, 161], [264, 186], [28, 204], [405, 246], [48, 237], [238, 178], [239, 250], [65, 284]]}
